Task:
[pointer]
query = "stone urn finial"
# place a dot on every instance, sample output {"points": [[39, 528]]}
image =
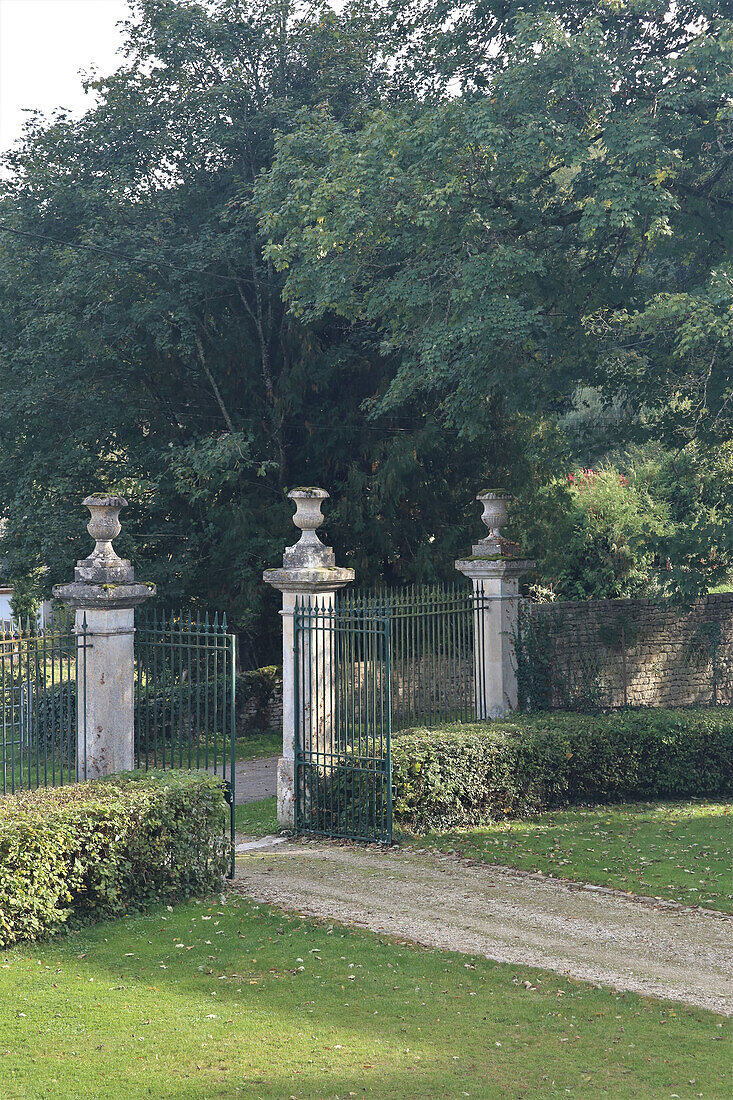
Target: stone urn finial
{"points": [[496, 511], [104, 581], [309, 550], [103, 564]]}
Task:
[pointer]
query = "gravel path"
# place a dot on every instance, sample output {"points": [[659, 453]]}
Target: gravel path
{"points": [[255, 779], [441, 901]]}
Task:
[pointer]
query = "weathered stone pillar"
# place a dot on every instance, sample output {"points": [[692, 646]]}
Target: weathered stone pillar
{"points": [[104, 595], [495, 572], [309, 575]]}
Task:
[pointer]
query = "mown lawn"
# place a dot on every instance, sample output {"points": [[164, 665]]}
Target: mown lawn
{"points": [[259, 743], [250, 745], [680, 851], [257, 818], [233, 999]]}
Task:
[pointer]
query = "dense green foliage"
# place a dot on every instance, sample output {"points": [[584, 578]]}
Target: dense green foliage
{"points": [[89, 850], [383, 250], [564, 222], [461, 775], [144, 346], [650, 524]]}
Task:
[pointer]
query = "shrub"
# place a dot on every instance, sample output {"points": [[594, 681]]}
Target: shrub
{"points": [[76, 853], [463, 774]]}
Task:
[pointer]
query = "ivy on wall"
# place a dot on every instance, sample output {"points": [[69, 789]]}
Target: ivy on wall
{"points": [[600, 670]]}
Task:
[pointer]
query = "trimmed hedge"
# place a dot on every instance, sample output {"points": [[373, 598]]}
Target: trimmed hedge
{"points": [[101, 849], [465, 774]]}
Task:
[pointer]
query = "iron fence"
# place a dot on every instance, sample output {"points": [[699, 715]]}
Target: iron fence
{"points": [[368, 665], [42, 674], [185, 695], [437, 670]]}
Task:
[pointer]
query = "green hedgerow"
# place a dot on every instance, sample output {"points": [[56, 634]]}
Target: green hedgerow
{"points": [[104, 848], [465, 774]]}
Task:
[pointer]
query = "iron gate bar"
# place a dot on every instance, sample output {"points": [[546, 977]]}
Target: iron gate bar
{"points": [[42, 675], [178, 656], [342, 734]]}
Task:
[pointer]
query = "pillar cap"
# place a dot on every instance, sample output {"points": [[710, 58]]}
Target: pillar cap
{"points": [[84, 596], [481, 567], [305, 580], [104, 581]]}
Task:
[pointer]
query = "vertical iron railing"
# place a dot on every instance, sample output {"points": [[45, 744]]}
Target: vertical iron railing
{"points": [[343, 720], [367, 664], [437, 670], [185, 695], [42, 679]]}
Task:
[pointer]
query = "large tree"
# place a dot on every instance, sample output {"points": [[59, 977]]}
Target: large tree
{"points": [[555, 210], [377, 250], [144, 344]]}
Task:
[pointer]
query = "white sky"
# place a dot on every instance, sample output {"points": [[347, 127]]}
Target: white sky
{"points": [[43, 46]]}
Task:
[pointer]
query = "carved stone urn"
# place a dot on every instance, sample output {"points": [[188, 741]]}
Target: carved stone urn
{"points": [[104, 580], [103, 564], [308, 550], [495, 514], [309, 566]]}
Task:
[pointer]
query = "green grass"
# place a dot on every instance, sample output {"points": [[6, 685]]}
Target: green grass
{"points": [[259, 743], [251, 745], [238, 1000], [257, 818], [681, 851]]}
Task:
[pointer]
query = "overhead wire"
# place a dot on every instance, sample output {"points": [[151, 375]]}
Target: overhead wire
{"points": [[79, 245], [143, 260]]}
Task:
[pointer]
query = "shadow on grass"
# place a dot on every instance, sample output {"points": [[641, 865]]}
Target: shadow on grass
{"points": [[237, 999]]}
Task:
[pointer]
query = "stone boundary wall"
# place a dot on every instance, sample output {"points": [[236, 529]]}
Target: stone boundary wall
{"points": [[250, 716], [637, 652], [663, 656], [259, 699]]}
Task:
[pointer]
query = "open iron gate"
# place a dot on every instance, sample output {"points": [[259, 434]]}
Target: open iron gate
{"points": [[343, 767], [185, 696], [368, 664]]}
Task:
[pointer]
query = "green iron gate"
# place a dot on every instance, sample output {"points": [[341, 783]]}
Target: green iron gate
{"points": [[367, 665], [185, 695], [184, 699], [42, 672], [343, 770]]}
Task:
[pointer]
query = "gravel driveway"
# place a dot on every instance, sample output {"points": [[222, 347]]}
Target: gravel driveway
{"points": [[441, 901], [255, 779]]}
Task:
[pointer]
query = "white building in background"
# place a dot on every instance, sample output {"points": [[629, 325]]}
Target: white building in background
{"points": [[6, 597], [6, 611]]}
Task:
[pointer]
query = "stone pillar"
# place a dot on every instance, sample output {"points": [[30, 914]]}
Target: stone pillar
{"points": [[309, 575], [104, 595], [494, 571]]}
